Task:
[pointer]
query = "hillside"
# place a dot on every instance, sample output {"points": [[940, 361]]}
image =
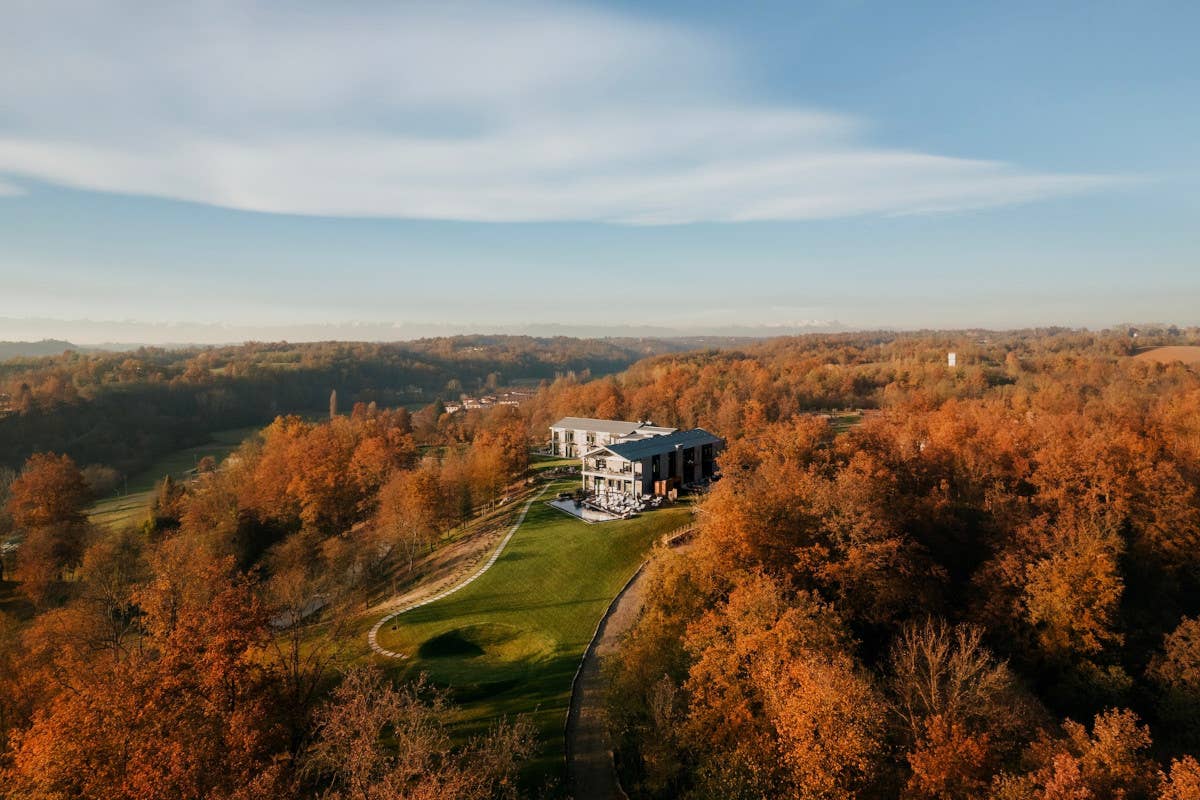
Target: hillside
{"points": [[46, 347], [128, 409], [1188, 354]]}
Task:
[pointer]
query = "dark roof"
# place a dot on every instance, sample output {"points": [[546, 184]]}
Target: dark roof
{"points": [[642, 448]]}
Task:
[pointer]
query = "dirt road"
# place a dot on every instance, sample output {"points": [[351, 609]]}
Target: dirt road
{"points": [[590, 770], [591, 774]]}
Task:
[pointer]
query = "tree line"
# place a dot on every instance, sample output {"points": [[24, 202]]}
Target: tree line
{"points": [[126, 409]]}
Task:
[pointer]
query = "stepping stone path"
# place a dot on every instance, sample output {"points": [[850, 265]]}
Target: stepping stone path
{"points": [[373, 635]]}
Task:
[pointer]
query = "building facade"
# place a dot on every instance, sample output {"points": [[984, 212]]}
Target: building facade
{"points": [[571, 437], [653, 465], [635, 459]]}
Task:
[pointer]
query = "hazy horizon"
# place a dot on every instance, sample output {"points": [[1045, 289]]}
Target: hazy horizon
{"points": [[116, 335]]}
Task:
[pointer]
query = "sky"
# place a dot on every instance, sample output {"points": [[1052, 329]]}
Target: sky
{"points": [[216, 170]]}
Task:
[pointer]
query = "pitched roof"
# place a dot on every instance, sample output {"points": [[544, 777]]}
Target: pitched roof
{"points": [[619, 427], [641, 448]]}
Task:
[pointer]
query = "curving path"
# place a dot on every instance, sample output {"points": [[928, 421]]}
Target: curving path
{"points": [[591, 773], [373, 634]]}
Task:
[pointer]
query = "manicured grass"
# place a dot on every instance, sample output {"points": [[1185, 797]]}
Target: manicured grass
{"points": [[510, 642], [130, 508], [539, 462]]}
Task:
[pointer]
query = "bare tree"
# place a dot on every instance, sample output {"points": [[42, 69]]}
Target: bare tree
{"points": [[945, 671], [380, 742]]}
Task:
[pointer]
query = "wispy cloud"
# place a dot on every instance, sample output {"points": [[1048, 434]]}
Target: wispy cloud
{"points": [[463, 111]]}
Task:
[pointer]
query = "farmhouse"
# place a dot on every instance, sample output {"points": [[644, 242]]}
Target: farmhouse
{"points": [[636, 459]]}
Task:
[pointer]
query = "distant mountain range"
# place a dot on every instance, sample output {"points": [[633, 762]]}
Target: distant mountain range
{"points": [[126, 335], [46, 347]]}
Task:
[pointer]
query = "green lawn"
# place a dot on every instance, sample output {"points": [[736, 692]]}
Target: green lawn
{"points": [[511, 641], [130, 508], [538, 462]]}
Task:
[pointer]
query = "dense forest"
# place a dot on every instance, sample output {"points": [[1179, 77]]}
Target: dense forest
{"points": [[166, 659], [989, 588], [125, 409]]}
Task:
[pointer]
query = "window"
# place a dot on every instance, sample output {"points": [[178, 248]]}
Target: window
{"points": [[671, 464], [591, 438]]}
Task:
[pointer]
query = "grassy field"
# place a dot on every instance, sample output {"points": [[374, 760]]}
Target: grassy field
{"points": [[539, 462], [1165, 355], [126, 508], [510, 642]]}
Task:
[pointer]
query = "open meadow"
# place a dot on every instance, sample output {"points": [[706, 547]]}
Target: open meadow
{"points": [[131, 502], [510, 642], [1187, 354]]}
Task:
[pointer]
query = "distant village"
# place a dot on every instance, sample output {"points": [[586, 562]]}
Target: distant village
{"points": [[512, 397]]}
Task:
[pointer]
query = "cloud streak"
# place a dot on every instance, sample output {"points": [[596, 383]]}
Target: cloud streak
{"points": [[480, 112]]}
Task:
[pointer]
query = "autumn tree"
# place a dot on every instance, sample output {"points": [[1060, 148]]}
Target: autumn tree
{"points": [[376, 741], [1183, 781], [412, 511], [112, 569], [1109, 761], [307, 609], [776, 704], [100, 479], [958, 709], [167, 507], [1175, 671], [11, 687], [186, 714], [50, 491]]}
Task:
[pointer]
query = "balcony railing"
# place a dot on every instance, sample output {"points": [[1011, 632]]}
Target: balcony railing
{"points": [[616, 473]]}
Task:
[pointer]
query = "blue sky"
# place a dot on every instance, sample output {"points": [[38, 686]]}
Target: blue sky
{"points": [[695, 165]]}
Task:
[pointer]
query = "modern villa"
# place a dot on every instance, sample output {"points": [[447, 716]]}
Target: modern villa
{"points": [[571, 437], [636, 459]]}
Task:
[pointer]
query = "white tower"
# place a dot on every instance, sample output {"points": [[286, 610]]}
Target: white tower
{"points": [[952, 359]]}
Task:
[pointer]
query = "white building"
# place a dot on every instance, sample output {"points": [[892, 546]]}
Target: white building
{"points": [[636, 459], [571, 437]]}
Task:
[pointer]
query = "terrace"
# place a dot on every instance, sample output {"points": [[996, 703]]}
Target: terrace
{"points": [[605, 506]]}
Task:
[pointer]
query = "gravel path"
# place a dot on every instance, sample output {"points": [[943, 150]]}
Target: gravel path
{"points": [[590, 771], [591, 774], [372, 636]]}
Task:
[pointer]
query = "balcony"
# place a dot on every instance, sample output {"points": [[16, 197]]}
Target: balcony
{"points": [[603, 465]]}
